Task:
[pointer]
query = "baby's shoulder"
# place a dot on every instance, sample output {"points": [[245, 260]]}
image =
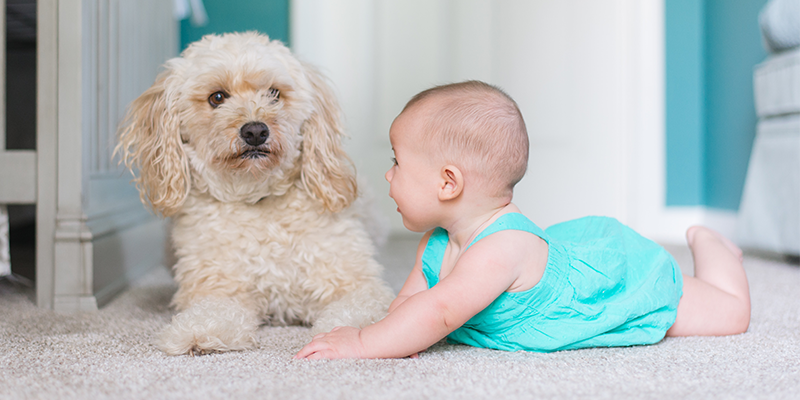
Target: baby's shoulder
{"points": [[509, 244], [519, 254]]}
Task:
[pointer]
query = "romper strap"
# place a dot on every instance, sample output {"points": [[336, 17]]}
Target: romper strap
{"points": [[433, 255], [512, 221]]}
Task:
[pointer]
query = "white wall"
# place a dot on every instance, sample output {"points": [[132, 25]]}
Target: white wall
{"points": [[587, 75]]}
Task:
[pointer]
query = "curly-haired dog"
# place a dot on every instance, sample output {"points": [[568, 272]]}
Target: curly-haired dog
{"points": [[240, 143]]}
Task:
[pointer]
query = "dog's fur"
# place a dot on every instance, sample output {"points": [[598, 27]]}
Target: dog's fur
{"points": [[265, 232]]}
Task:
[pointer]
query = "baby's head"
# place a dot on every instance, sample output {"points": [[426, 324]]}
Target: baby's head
{"points": [[476, 127]]}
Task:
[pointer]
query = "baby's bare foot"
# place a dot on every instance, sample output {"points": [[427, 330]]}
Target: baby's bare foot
{"points": [[732, 247]]}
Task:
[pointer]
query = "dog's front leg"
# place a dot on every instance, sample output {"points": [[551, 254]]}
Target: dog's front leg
{"points": [[365, 305], [209, 325]]}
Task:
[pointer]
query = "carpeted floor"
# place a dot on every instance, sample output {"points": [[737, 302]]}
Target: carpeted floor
{"points": [[108, 354]]}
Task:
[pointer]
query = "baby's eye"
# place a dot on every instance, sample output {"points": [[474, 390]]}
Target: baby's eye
{"points": [[394, 161]]}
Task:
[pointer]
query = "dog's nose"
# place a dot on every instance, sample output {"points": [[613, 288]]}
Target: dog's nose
{"points": [[254, 133]]}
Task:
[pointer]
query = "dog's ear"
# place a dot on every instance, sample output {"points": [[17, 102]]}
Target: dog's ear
{"points": [[327, 173], [150, 141]]}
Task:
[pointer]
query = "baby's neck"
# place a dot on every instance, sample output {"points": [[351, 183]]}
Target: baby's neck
{"points": [[463, 230]]}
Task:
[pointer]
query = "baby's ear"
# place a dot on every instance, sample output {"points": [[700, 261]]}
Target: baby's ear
{"points": [[149, 141], [452, 183], [327, 173]]}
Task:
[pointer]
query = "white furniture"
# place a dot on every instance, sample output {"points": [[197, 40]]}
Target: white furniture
{"points": [[769, 215], [93, 235], [5, 257]]}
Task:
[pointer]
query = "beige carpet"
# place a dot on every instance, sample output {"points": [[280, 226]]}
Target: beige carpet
{"points": [[108, 354]]}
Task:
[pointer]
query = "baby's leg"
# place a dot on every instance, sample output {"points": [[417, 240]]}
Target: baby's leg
{"points": [[716, 301]]}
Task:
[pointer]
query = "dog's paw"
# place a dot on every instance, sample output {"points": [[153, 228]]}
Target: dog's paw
{"points": [[195, 351], [209, 326]]}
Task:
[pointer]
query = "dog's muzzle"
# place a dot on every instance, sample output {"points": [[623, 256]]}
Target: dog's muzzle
{"points": [[255, 134]]}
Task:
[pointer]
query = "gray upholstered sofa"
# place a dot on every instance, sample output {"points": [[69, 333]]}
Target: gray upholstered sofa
{"points": [[769, 215]]}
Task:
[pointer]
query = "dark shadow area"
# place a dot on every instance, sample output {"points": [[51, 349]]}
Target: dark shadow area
{"points": [[21, 74], [154, 299], [791, 259], [22, 238]]}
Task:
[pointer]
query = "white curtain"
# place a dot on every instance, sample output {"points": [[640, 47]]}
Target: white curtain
{"points": [[5, 257], [193, 9]]}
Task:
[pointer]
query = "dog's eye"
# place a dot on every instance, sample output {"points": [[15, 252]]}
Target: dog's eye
{"points": [[275, 94], [217, 98]]}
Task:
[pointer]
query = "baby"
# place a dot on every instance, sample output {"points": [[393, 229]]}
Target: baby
{"points": [[487, 276]]}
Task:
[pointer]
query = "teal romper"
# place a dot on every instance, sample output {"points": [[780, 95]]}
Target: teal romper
{"points": [[604, 285]]}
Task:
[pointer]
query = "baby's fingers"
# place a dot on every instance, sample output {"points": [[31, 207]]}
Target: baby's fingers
{"points": [[416, 355], [310, 348], [322, 355]]}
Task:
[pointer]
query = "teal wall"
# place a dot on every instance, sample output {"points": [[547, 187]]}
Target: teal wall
{"points": [[711, 49], [733, 48], [266, 16], [685, 105]]}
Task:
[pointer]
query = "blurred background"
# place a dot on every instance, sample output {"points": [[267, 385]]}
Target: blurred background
{"points": [[643, 110]]}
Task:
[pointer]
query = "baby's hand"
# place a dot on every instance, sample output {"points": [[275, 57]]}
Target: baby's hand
{"points": [[340, 342]]}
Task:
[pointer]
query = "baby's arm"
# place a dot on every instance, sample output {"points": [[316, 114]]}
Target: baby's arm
{"points": [[424, 318]]}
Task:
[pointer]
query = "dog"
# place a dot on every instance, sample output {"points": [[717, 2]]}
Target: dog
{"points": [[240, 143]]}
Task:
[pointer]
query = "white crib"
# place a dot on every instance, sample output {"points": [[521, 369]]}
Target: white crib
{"points": [[93, 236]]}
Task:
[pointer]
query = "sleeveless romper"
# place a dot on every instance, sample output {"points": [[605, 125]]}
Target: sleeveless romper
{"points": [[604, 285]]}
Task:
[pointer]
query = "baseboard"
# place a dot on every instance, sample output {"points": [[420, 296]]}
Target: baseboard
{"points": [[668, 225], [70, 304], [121, 257]]}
